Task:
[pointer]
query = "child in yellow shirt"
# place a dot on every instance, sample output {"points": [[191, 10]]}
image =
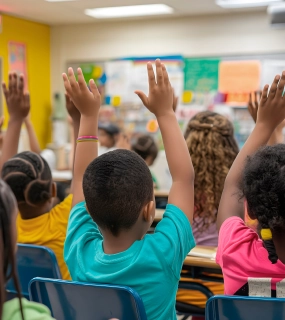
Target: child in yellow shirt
{"points": [[30, 179]]}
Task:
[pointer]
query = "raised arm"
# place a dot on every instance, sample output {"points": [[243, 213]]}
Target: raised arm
{"points": [[18, 105], [160, 102], [75, 116], [277, 135], [34, 143], [88, 104], [270, 114]]}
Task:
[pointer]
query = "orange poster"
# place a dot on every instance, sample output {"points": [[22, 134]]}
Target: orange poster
{"points": [[239, 77]]}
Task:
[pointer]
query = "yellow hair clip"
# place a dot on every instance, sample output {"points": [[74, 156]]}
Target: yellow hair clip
{"points": [[266, 234]]}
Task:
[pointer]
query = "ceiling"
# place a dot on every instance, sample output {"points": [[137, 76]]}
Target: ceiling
{"points": [[70, 12]]}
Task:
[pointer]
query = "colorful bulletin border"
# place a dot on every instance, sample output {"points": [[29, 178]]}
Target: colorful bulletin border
{"points": [[18, 59]]}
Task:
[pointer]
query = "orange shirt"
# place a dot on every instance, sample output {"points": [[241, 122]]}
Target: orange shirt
{"points": [[48, 230]]}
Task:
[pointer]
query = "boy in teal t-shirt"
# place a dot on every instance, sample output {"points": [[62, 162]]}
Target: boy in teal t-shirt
{"points": [[113, 204]]}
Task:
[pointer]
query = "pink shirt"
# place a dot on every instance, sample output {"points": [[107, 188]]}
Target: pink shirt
{"points": [[241, 256]]}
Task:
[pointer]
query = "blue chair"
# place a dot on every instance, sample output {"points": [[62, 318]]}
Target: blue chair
{"points": [[245, 308], [69, 300], [33, 261]]}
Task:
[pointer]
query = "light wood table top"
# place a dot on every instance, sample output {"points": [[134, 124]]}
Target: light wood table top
{"points": [[203, 256]]}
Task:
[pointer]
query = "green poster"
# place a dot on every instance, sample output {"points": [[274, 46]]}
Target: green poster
{"points": [[201, 75]]}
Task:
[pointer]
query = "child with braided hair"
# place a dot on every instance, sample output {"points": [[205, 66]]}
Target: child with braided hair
{"points": [[257, 178], [211, 143], [29, 177]]}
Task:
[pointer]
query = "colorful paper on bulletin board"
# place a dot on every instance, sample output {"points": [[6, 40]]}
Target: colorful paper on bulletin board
{"points": [[139, 79], [95, 72], [239, 76], [18, 59], [201, 75]]}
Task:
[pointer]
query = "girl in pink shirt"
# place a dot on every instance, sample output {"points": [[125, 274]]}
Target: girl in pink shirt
{"points": [[257, 176]]}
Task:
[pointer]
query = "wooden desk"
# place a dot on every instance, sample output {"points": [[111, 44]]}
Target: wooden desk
{"points": [[203, 262]]}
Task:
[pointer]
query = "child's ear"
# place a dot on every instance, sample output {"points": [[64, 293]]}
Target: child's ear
{"points": [[53, 190], [149, 212]]}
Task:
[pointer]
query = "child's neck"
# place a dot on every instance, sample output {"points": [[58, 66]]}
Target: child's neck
{"points": [[124, 241], [30, 212]]}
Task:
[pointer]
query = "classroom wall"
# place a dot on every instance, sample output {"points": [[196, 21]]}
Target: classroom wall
{"points": [[37, 39], [226, 34]]}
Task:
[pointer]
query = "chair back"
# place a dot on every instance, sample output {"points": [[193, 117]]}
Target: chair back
{"points": [[33, 261], [69, 300], [244, 308]]}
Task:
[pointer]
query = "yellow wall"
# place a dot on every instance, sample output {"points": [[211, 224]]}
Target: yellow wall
{"points": [[37, 39]]}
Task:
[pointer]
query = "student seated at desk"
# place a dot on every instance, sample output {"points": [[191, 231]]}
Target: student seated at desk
{"points": [[146, 147], [106, 240], [211, 143], [39, 222], [256, 177], [16, 309]]}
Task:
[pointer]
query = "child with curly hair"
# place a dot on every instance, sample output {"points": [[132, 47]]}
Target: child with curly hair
{"points": [[211, 143], [256, 177]]}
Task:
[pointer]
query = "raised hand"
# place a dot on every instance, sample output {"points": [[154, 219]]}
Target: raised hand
{"points": [[71, 109], [253, 104], [271, 109], [175, 101], [86, 101], [160, 97], [18, 102]]}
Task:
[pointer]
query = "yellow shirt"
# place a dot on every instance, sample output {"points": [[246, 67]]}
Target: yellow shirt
{"points": [[48, 230]]}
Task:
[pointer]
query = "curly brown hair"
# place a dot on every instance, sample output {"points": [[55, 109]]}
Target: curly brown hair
{"points": [[211, 143]]}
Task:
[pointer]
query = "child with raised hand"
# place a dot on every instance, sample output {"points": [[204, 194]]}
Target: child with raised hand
{"points": [[113, 204], [30, 179], [15, 309], [258, 174]]}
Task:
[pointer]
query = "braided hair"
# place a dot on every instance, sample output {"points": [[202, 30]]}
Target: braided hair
{"points": [[8, 268], [263, 186], [29, 177], [210, 140], [145, 147]]}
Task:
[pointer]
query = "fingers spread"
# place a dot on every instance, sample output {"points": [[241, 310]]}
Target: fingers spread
{"points": [[151, 76], [21, 83], [81, 80], [143, 97], [12, 82], [5, 90], [93, 88], [273, 88], [72, 79], [281, 85], [264, 93], [165, 75], [159, 74], [66, 84]]}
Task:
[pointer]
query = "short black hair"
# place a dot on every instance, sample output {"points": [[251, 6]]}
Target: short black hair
{"points": [[29, 177], [116, 186], [263, 186], [145, 146]]}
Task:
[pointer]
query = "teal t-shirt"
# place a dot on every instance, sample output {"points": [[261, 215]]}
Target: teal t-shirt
{"points": [[151, 266]]}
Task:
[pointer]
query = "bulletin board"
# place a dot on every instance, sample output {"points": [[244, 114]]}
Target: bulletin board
{"points": [[202, 83], [226, 86]]}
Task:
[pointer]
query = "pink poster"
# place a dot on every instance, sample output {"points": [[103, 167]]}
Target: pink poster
{"points": [[17, 59]]}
